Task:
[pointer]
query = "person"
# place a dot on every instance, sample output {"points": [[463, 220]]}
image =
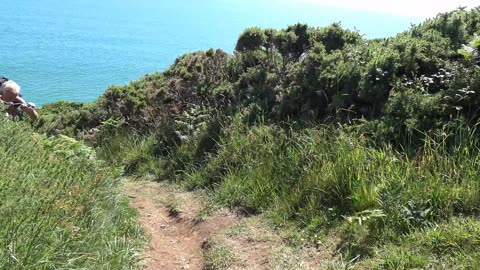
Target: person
{"points": [[10, 95]]}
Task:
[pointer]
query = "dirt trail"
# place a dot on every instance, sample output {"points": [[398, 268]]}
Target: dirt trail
{"points": [[182, 236], [171, 219]]}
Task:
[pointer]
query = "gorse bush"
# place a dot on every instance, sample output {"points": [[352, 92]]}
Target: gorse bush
{"points": [[59, 207], [302, 73], [70, 118]]}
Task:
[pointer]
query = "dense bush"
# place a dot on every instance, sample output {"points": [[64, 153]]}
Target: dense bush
{"points": [[301, 72]]}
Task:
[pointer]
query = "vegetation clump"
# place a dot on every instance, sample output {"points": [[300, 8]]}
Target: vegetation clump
{"points": [[59, 206]]}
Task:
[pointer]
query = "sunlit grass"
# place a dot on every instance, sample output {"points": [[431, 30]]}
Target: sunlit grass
{"points": [[59, 206], [327, 179], [332, 183]]}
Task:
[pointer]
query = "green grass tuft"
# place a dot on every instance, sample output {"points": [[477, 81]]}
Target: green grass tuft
{"points": [[59, 206]]}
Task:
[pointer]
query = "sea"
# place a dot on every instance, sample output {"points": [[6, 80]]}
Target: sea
{"points": [[74, 50]]}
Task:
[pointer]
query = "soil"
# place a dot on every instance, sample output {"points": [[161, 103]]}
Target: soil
{"points": [[181, 233], [171, 219]]}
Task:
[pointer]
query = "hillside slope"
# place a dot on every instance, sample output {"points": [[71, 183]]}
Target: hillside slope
{"points": [[370, 142], [59, 206]]}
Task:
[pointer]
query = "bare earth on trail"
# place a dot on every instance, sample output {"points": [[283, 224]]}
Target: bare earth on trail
{"points": [[171, 219], [183, 236]]}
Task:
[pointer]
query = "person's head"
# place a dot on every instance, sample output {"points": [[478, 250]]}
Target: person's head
{"points": [[9, 91]]}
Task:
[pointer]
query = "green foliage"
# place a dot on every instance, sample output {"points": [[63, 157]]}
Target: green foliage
{"points": [[60, 209], [296, 73], [322, 177], [451, 25], [285, 41], [423, 55], [474, 53], [251, 39], [328, 84], [69, 118], [302, 40], [476, 43], [65, 147], [380, 71], [374, 141], [334, 37], [453, 245]]}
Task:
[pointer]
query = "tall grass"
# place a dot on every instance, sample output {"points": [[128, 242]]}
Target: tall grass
{"points": [[326, 178], [132, 154], [59, 207], [331, 181]]}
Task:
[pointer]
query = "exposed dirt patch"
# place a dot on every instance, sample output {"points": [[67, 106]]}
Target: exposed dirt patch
{"points": [[255, 245], [171, 219], [183, 236]]}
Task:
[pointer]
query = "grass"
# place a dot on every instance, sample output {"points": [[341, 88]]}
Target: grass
{"points": [[218, 257], [333, 183], [450, 245], [60, 207], [255, 244]]}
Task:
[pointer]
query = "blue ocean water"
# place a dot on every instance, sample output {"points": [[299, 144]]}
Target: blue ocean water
{"points": [[74, 50]]}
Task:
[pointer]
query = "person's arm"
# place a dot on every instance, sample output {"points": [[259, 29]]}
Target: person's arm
{"points": [[29, 109], [20, 100]]}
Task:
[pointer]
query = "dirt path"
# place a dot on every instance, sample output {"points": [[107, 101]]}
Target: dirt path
{"points": [[172, 220], [183, 236]]}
